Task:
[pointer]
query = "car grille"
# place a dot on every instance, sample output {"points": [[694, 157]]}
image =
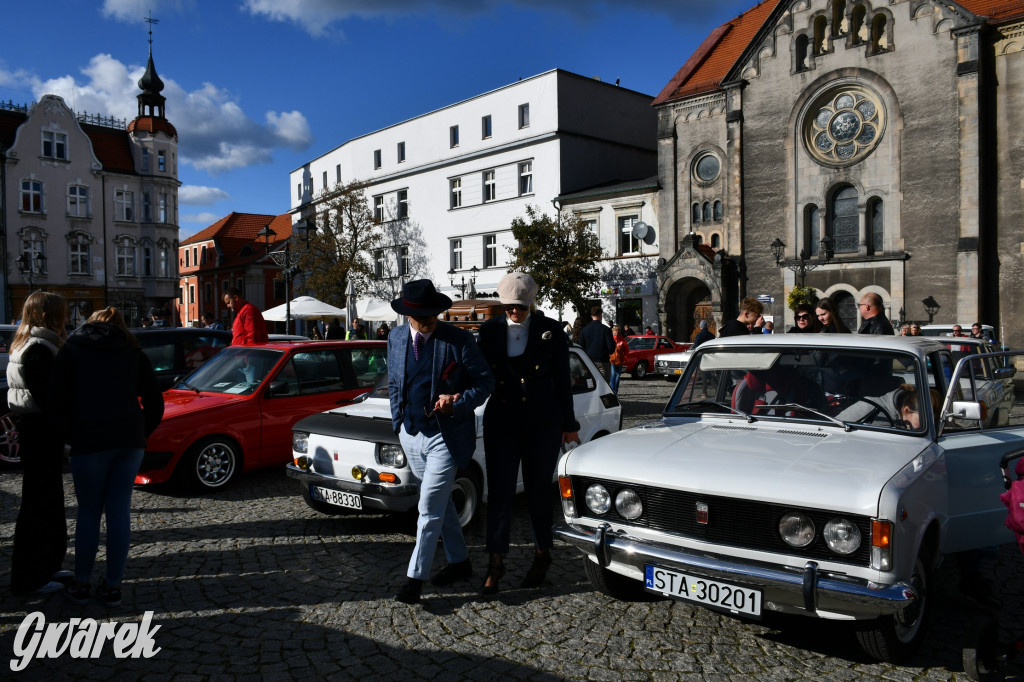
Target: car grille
{"points": [[733, 522], [671, 364]]}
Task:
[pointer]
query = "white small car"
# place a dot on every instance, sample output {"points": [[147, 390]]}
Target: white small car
{"points": [[670, 366], [814, 474], [349, 458]]}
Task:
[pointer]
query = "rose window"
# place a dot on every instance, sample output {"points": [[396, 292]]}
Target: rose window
{"points": [[844, 126]]}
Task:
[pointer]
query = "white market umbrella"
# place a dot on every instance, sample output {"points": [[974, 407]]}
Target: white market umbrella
{"points": [[378, 311], [304, 308]]}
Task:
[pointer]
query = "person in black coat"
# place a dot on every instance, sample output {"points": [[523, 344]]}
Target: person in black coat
{"points": [[597, 341], [105, 403], [873, 316], [528, 418]]}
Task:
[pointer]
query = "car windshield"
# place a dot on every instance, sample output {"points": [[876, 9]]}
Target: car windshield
{"points": [[238, 370], [844, 387]]}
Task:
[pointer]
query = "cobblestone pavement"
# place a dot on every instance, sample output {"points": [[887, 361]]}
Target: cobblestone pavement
{"points": [[252, 584]]}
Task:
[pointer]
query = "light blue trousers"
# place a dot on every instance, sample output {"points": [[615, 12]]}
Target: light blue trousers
{"points": [[436, 468]]}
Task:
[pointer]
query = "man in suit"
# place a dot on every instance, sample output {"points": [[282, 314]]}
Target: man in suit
{"points": [[596, 339], [436, 378], [527, 420]]}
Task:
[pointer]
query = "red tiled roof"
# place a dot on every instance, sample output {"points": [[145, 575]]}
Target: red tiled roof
{"points": [[717, 55], [235, 231], [9, 122], [112, 148], [152, 125]]}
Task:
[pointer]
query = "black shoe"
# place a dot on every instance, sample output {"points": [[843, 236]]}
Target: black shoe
{"points": [[410, 592], [535, 576], [78, 592], [110, 596], [452, 573], [495, 572]]}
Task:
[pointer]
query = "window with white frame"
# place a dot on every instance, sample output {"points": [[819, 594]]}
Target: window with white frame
{"points": [[403, 261], [79, 248], [403, 203], [147, 260], [524, 115], [456, 254], [455, 189], [400, 152], [162, 208], [526, 178], [188, 258], [31, 196], [164, 260], [55, 145], [485, 127], [298, 191], [628, 244], [202, 258], [490, 188], [337, 174], [78, 201], [490, 250], [376, 159], [378, 263], [325, 180], [147, 209], [378, 208], [124, 205], [191, 293], [145, 159], [161, 160], [33, 244], [124, 249], [195, 256], [453, 136]]}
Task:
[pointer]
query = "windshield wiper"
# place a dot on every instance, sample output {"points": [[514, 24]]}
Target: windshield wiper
{"points": [[188, 386], [705, 403], [798, 406]]}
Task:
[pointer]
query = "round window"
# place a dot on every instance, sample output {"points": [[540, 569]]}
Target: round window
{"points": [[844, 125], [707, 168]]}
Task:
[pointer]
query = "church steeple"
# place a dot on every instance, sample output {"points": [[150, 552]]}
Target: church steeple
{"points": [[151, 103]]}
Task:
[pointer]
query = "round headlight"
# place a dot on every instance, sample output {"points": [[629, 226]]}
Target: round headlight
{"points": [[628, 504], [300, 441], [796, 529], [598, 499], [391, 455], [842, 536]]}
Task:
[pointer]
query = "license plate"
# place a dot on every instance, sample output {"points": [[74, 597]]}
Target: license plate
{"points": [[703, 591], [336, 497], [677, 370]]}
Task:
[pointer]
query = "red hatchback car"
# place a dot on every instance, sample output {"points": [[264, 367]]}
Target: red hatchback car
{"points": [[642, 349], [236, 412]]}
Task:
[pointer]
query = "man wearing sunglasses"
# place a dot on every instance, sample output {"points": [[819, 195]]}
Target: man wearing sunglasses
{"points": [[436, 378], [873, 318]]}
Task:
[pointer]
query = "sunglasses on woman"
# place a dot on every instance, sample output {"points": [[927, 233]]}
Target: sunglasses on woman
{"points": [[803, 317], [515, 306]]}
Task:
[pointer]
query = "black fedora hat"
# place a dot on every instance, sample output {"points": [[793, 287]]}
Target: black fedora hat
{"points": [[420, 299]]}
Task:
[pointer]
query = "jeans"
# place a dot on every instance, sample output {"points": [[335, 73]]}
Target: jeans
{"points": [[430, 460], [616, 375], [103, 485]]}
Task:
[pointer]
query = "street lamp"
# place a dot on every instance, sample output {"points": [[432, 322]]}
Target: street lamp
{"points": [[287, 271], [29, 266], [803, 264], [931, 306], [463, 285]]}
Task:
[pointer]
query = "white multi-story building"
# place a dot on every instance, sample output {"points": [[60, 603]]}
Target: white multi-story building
{"points": [[464, 172]]}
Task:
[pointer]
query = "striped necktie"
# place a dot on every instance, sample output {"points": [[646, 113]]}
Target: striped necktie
{"points": [[417, 346]]}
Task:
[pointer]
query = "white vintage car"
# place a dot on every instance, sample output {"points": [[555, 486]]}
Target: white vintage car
{"points": [[349, 458], [670, 366], [816, 474]]}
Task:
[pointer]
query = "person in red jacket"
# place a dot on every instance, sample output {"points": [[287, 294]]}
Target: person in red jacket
{"points": [[248, 329]]}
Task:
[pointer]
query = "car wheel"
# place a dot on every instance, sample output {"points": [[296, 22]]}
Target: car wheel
{"points": [[894, 638], [467, 493], [640, 371], [612, 584], [210, 464], [10, 448], [322, 507]]}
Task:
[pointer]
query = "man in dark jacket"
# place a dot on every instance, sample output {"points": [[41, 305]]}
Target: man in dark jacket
{"points": [[873, 318], [703, 335], [750, 310], [597, 341]]}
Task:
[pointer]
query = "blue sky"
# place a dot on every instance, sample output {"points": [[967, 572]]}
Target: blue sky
{"points": [[256, 88]]}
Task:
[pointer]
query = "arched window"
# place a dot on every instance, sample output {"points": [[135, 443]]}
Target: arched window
{"points": [[802, 53], [696, 214], [812, 231], [857, 27], [820, 37], [843, 221], [707, 211], [838, 17], [879, 39], [875, 225], [718, 210], [716, 241]]}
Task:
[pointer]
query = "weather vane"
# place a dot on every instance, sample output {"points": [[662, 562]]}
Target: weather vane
{"points": [[150, 20]]}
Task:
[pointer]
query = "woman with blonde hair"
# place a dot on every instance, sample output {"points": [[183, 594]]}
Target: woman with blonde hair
{"points": [[41, 531], [106, 402]]}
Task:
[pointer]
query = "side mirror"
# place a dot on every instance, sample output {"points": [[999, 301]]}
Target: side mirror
{"points": [[963, 409], [278, 387], [1005, 372]]}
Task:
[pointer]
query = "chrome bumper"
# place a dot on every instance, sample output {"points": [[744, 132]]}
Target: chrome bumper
{"points": [[395, 498], [790, 589]]}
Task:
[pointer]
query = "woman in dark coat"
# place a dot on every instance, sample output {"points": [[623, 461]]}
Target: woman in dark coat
{"points": [[99, 379], [806, 322], [41, 531], [528, 418]]}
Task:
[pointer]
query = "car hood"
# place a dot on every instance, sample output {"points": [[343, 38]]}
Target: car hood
{"points": [[178, 402], [805, 466]]}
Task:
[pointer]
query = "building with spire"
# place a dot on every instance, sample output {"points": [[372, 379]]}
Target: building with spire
{"points": [[89, 206]]}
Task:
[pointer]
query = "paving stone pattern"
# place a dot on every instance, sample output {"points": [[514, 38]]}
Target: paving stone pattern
{"points": [[251, 584]]}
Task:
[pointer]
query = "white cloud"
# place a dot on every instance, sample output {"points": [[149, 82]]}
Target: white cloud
{"points": [[135, 10], [205, 218], [200, 195], [214, 133]]}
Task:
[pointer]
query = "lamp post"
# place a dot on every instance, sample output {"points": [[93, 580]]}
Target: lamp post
{"points": [[463, 285], [931, 306], [29, 266], [803, 264], [287, 269]]}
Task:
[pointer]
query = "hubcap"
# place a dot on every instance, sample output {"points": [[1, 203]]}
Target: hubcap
{"points": [[215, 464]]}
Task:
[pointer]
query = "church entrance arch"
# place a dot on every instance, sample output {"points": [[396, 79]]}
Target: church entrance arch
{"points": [[687, 303]]}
